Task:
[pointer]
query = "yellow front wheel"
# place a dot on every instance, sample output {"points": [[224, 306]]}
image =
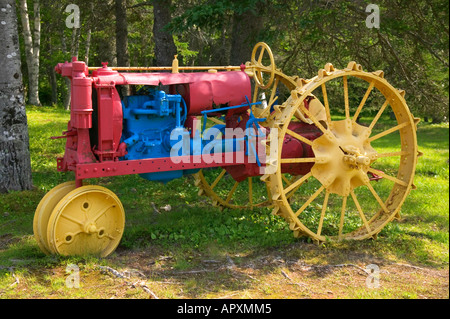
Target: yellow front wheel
{"points": [[45, 209], [87, 220]]}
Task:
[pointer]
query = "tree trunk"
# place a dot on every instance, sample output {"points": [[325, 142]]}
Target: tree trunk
{"points": [[73, 53], [88, 46], [122, 33], [15, 167], [165, 48], [32, 49], [53, 83], [246, 28], [50, 69], [89, 33], [123, 58]]}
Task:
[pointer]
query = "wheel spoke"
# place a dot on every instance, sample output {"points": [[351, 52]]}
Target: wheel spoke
{"points": [[298, 160], [326, 103], [215, 120], [384, 175], [313, 118], [341, 221], [60, 243], [297, 183], [216, 181], [313, 196], [363, 101], [261, 55], [322, 215], [230, 194], [347, 107], [391, 154], [103, 211], [361, 214], [380, 111], [389, 131], [273, 98], [374, 193], [299, 137], [74, 220], [288, 182]]}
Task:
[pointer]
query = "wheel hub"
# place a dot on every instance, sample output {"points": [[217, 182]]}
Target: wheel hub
{"points": [[346, 157]]}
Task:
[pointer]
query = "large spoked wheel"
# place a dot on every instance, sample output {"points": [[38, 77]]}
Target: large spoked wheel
{"points": [[364, 160], [88, 220]]}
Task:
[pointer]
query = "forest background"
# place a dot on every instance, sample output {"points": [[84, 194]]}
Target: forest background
{"points": [[409, 41]]}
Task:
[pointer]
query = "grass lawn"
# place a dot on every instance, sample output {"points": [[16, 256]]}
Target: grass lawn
{"points": [[195, 250]]}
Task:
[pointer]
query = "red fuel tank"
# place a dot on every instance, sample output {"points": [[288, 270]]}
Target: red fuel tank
{"points": [[207, 90]]}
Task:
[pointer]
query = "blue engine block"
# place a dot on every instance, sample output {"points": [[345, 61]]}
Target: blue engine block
{"points": [[149, 120]]}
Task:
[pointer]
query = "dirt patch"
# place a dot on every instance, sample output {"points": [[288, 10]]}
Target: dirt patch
{"points": [[274, 276]]}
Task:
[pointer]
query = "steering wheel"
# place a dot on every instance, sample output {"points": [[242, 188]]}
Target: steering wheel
{"points": [[259, 68]]}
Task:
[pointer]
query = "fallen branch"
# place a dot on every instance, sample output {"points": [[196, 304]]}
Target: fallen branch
{"points": [[307, 267], [290, 279], [194, 271], [107, 269], [143, 285], [127, 274], [16, 280], [416, 267], [351, 265]]}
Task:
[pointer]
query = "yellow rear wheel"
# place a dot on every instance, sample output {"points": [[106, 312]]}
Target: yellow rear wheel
{"points": [[363, 166]]}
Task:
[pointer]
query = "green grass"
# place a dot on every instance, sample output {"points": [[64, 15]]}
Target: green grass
{"points": [[193, 226]]}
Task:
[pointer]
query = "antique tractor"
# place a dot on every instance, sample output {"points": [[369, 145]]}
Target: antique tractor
{"points": [[251, 135]]}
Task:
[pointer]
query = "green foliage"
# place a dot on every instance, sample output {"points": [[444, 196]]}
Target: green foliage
{"points": [[411, 45]]}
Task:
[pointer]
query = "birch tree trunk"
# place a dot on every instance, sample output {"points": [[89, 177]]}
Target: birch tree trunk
{"points": [[88, 46], [15, 167], [32, 47], [74, 48], [89, 33]]}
